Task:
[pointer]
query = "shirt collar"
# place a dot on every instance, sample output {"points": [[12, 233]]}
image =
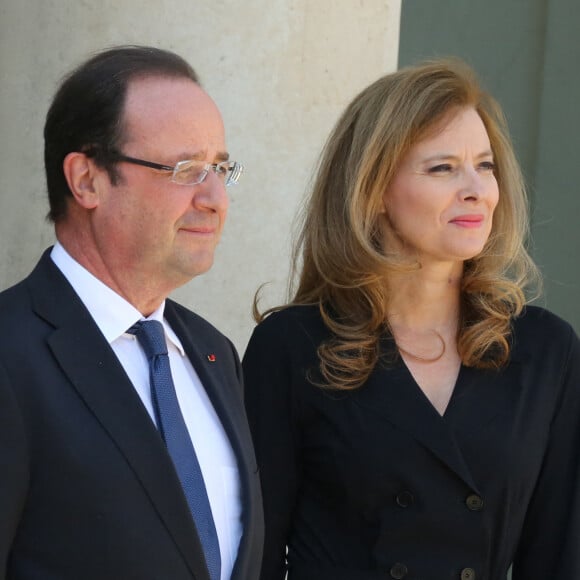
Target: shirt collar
{"points": [[111, 312]]}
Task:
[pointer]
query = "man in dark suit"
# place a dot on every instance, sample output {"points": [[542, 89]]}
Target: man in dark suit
{"points": [[95, 481]]}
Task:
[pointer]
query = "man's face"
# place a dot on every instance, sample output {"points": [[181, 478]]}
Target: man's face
{"points": [[162, 233]]}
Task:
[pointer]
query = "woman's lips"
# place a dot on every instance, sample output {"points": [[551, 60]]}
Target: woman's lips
{"points": [[468, 221]]}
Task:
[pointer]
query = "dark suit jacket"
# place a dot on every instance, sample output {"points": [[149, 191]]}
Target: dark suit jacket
{"points": [[87, 488], [375, 484]]}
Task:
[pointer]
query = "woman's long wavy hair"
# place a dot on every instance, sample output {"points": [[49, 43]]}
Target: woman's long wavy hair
{"points": [[340, 261]]}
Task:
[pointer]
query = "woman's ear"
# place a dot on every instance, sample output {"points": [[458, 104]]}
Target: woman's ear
{"points": [[80, 173]]}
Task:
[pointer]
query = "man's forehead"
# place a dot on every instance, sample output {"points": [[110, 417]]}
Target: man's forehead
{"points": [[166, 96], [165, 108]]}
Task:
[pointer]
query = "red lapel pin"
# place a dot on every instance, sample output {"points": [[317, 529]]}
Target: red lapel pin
{"points": [[211, 357]]}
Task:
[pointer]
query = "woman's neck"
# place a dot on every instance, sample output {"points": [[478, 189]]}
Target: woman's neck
{"points": [[426, 300]]}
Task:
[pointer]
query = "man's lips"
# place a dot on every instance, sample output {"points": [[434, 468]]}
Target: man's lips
{"points": [[207, 230]]}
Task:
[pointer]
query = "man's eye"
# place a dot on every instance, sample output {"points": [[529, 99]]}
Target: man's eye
{"points": [[190, 170]]}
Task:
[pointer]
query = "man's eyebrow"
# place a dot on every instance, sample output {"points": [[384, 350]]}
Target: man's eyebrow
{"points": [[201, 156], [222, 156]]}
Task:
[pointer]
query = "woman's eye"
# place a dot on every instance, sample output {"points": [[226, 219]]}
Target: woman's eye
{"points": [[441, 168], [487, 165]]}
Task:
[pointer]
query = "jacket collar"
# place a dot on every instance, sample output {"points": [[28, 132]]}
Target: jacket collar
{"points": [[478, 397]]}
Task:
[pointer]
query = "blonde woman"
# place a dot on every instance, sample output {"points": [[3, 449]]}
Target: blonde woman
{"points": [[413, 417]]}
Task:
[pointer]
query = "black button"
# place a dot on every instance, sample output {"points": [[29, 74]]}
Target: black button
{"points": [[405, 499], [468, 574], [474, 503], [398, 571]]}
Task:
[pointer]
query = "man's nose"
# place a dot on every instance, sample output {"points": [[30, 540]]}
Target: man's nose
{"points": [[212, 194]]}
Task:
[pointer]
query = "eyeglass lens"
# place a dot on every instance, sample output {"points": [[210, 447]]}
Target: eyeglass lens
{"points": [[194, 172]]}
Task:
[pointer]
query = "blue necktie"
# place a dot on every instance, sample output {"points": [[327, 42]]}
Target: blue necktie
{"points": [[172, 427]]}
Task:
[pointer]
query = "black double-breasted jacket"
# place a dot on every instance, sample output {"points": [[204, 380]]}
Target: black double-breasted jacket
{"points": [[374, 483]]}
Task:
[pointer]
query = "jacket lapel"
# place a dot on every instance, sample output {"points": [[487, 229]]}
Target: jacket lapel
{"points": [[392, 392], [483, 396], [214, 366], [222, 386], [99, 379]]}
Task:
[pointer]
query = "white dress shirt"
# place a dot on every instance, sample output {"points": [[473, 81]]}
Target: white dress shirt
{"points": [[114, 315]]}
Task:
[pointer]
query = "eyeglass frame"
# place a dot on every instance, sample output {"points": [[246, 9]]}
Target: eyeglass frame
{"points": [[235, 171]]}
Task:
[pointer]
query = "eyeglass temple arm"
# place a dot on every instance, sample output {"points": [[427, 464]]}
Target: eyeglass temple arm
{"points": [[143, 162], [237, 170]]}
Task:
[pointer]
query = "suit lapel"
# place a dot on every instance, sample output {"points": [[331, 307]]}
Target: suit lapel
{"points": [[216, 368], [210, 363], [99, 379]]}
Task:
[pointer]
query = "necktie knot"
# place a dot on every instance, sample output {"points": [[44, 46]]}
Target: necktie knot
{"points": [[151, 337]]}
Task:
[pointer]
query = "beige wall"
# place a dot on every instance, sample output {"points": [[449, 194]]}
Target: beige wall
{"points": [[280, 70]]}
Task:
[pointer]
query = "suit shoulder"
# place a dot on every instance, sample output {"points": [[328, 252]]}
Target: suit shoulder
{"points": [[539, 333], [13, 295], [543, 324], [15, 308], [292, 323]]}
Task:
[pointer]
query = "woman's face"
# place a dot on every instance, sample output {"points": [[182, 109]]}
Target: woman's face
{"points": [[441, 201]]}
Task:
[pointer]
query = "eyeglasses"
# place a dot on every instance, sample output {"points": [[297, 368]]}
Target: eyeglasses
{"points": [[190, 171]]}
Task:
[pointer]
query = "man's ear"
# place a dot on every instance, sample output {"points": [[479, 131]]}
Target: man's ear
{"points": [[81, 173]]}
